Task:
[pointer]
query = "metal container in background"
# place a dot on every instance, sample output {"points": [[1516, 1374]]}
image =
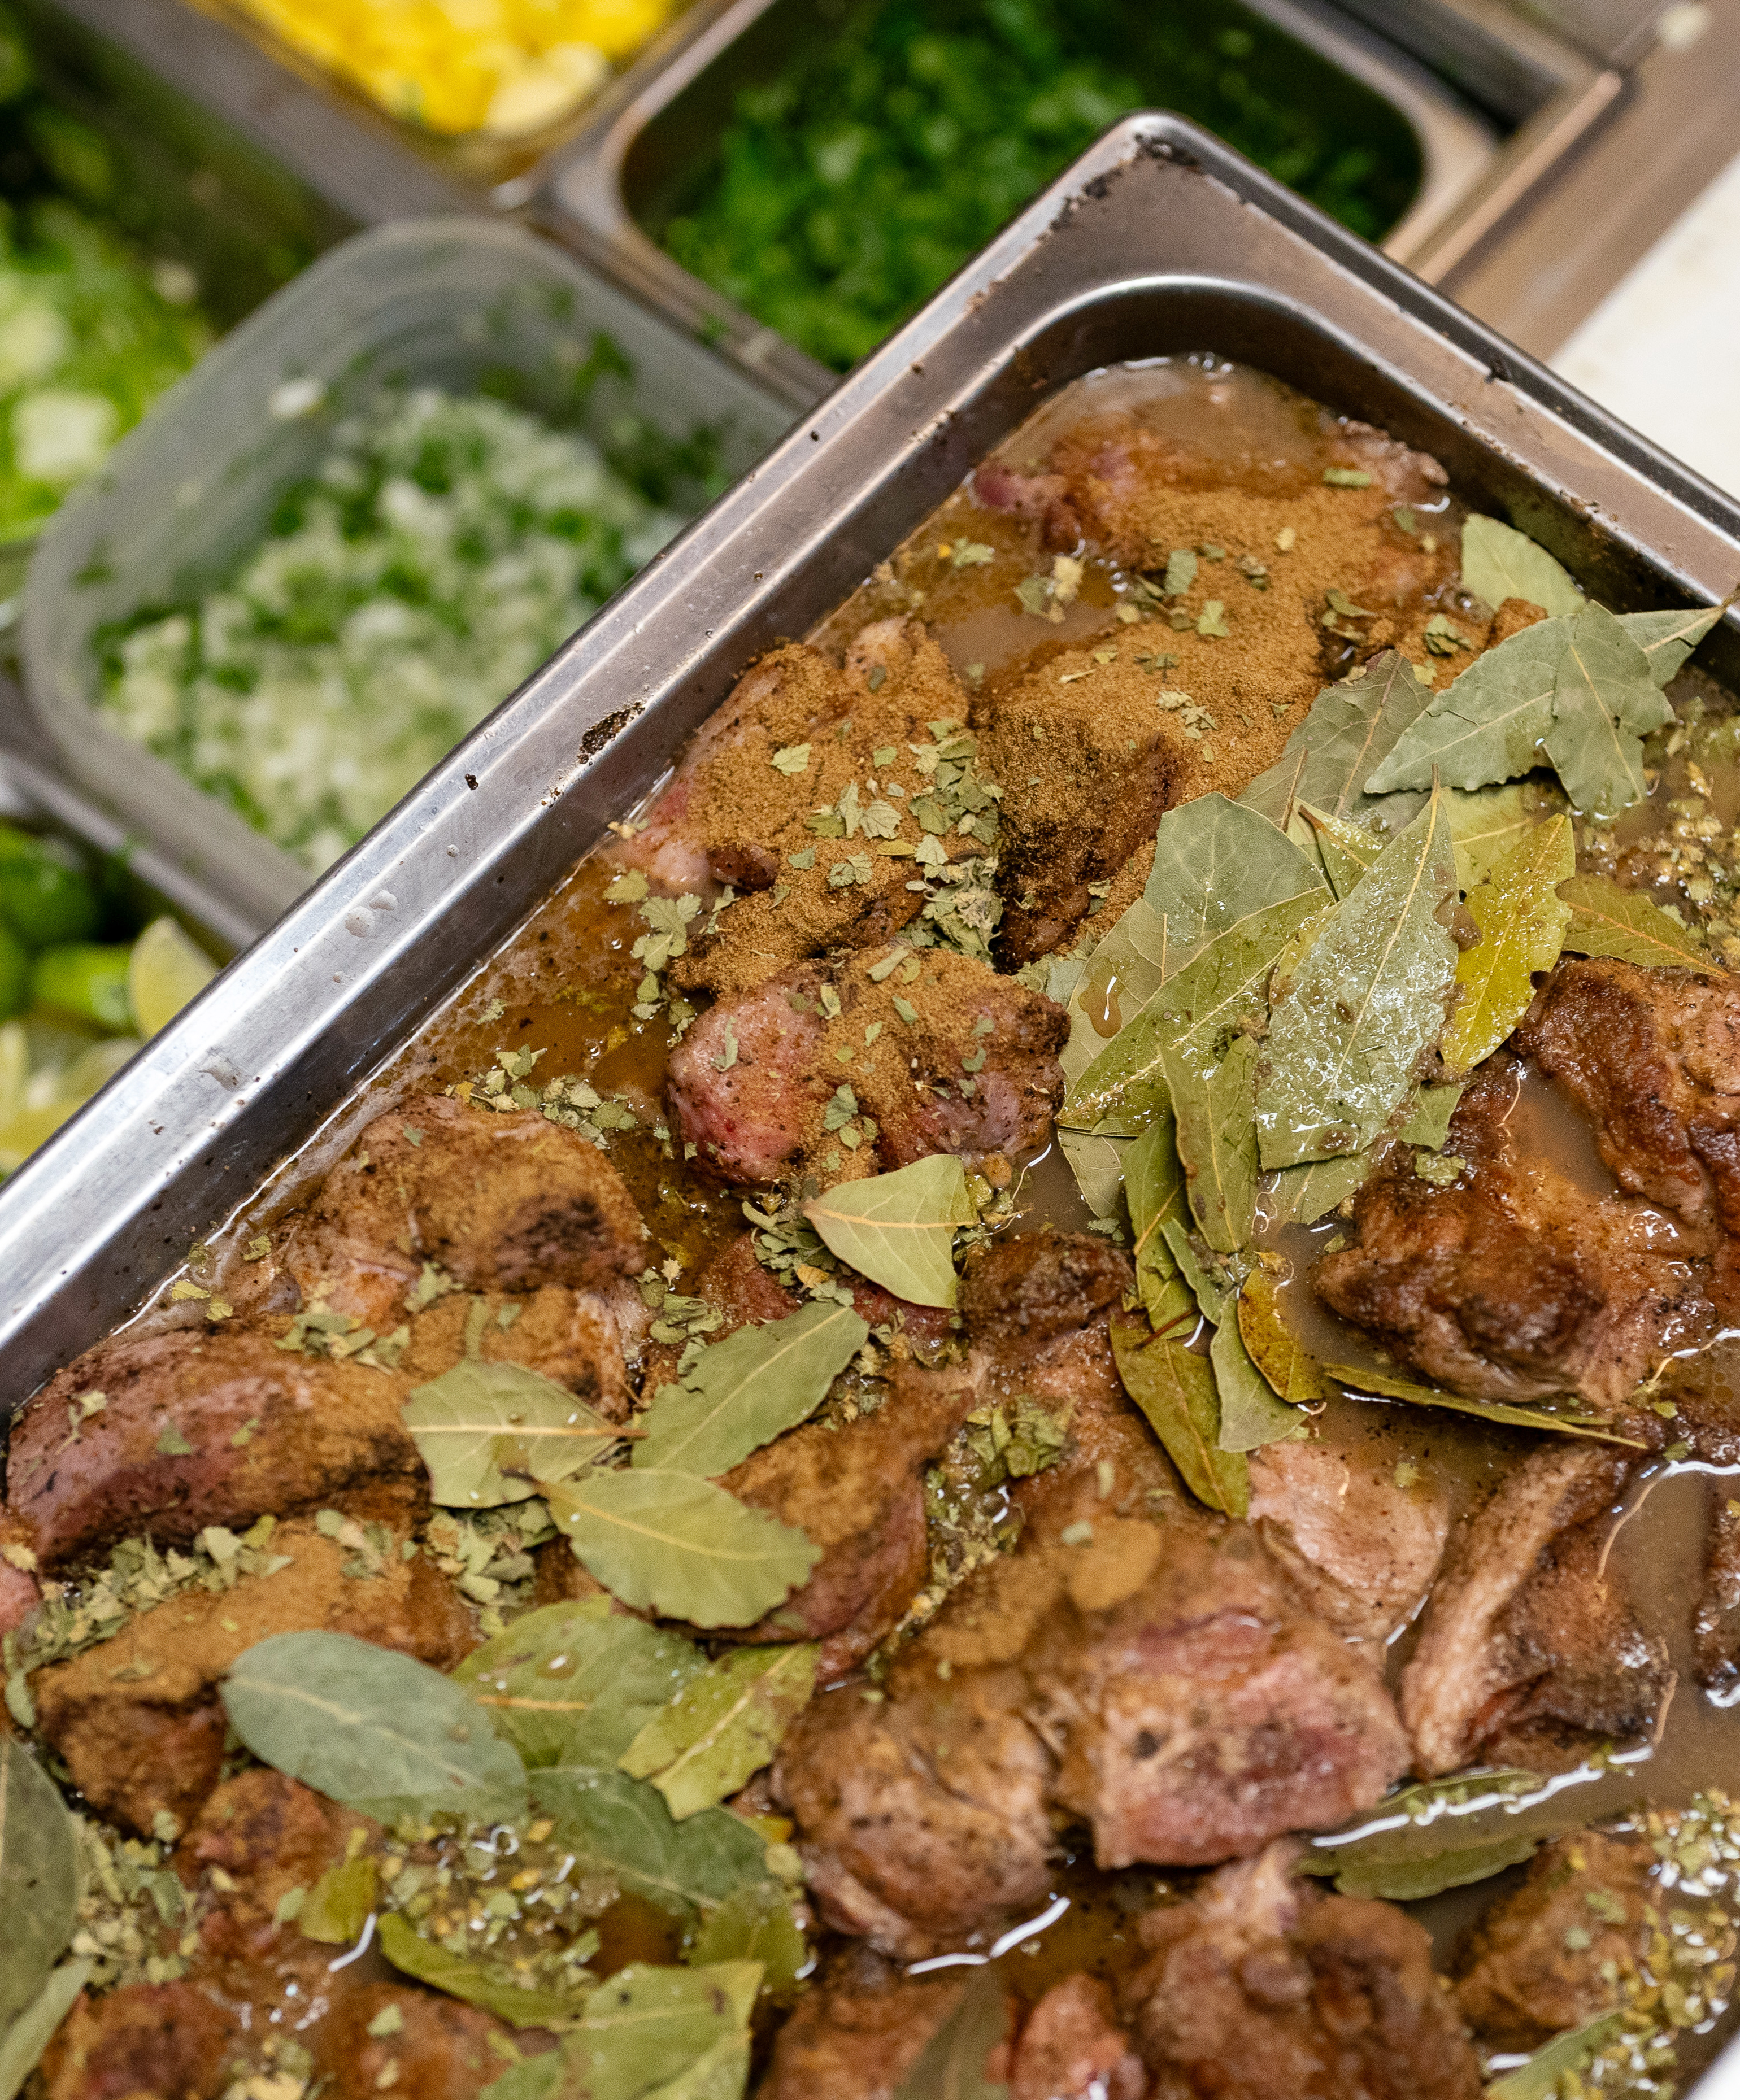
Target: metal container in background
{"points": [[644, 141], [449, 303], [180, 183]]}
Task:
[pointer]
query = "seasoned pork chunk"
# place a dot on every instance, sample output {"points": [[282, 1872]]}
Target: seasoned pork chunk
{"points": [[262, 1835], [1529, 1654], [1652, 1057], [438, 2049], [922, 1818], [857, 1490], [1195, 1709], [1556, 1951], [137, 1718], [1259, 1988], [497, 1202], [1362, 1548], [1087, 770], [1513, 1283], [759, 1078], [796, 736], [858, 2030], [1158, 1682], [1072, 2048], [144, 2038]]}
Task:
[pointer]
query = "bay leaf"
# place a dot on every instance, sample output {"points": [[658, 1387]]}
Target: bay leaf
{"points": [[1302, 1195], [1541, 2077], [1153, 1187], [1250, 1416], [24, 2040], [1216, 1141], [1358, 1382], [1485, 823], [899, 1229], [1498, 562], [1605, 702], [413, 1955], [1347, 850], [1204, 1282], [951, 2064], [1410, 1881], [1346, 1036], [1428, 1121], [1489, 723], [1271, 1344], [1097, 1165], [337, 1908], [1607, 920], [647, 2029], [721, 2072], [1131, 961], [1349, 732], [1522, 924], [459, 1421], [1174, 1388], [620, 1826], [366, 1726], [723, 1725], [755, 1924], [1125, 1087], [1667, 638], [1215, 862], [38, 1876], [533, 2078], [751, 1387], [679, 1545], [574, 1683]]}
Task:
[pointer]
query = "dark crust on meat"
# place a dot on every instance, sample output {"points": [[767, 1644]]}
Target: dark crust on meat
{"points": [[1035, 1287]]}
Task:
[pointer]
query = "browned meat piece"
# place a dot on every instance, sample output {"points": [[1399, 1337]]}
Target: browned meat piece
{"points": [[1556, 1951], [732, 813], [975, 1072], [201, 1428], [1652, 1057], [1717, 1625], [440, 2050], [1362, 1549], [1196, 1711], [575, 1338], [858, 1491], [137, 1718], [19, 1594], [1260, 1989], [1512, 617], [1087, 769], [499, 1203], [265, 1834], [1072, 2048], [922, 1818], [1512, 1283], [144, 2041], [858, 2031], [1032, 1287], [1528, 1653], [1192, 1711]]}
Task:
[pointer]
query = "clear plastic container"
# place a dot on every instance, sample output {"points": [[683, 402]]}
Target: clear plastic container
{"points": [[451, 302]]}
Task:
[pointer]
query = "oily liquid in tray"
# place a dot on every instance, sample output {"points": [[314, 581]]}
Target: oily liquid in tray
{"points": [[565, 983]]}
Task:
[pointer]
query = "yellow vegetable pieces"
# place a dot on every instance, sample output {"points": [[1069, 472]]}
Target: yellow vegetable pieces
{"points": [[506, 68], [1523, 921]]}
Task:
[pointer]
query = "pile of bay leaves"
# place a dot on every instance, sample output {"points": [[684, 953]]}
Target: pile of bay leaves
{"points": [[1276, 995]]}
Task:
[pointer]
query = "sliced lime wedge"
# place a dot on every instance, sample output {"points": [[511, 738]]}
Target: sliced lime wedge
{"points": [[165, 971]]}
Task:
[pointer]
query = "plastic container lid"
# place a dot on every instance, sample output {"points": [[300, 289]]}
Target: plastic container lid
{"points": [[441, 302]]}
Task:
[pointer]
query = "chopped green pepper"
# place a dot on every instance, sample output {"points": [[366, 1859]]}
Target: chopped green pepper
{"points": [[86, 979], [45, 896]]}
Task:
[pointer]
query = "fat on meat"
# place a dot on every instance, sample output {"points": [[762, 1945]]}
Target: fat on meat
{"points": [[1529, 1653], [1261, 1988], [1512, 1282], [975, 1072]]}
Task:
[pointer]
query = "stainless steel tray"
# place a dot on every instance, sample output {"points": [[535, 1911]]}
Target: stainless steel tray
{"points": [[1158, 240], [636, 132]]}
